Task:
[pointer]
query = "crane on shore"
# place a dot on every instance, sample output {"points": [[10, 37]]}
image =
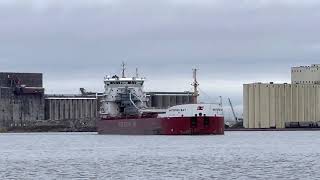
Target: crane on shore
{"points": [[236, 119]]}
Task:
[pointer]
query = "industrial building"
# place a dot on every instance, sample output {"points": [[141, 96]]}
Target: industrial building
{"points": [[306, 74], [23, 105], [21, 99], [269, 105], [9, 79], [163, 100], [73, 111]]}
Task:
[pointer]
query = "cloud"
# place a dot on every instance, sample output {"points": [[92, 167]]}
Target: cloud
{"points": [[76, 43]]}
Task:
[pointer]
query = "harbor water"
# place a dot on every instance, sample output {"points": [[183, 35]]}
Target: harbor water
{"points": [[236, 155]]}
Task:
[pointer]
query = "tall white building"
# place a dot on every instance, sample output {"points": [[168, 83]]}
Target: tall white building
{"points": [[269, 105], [306, 74]]}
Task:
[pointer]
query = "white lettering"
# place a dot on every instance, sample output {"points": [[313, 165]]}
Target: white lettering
{"points": [[178, 110], [124, 124]]}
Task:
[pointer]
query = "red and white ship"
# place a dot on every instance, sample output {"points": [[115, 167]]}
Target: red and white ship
{"points": [[123, 111]]}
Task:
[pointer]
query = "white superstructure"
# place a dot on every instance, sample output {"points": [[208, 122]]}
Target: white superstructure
{"points": [[123, 96]]}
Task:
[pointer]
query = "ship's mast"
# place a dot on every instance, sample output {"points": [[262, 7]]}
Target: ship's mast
{"points": [[195, 85], [137, 73], [123, 69]]}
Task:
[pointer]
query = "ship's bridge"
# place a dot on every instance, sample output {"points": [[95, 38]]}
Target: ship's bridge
{"points": [[116, 81]]}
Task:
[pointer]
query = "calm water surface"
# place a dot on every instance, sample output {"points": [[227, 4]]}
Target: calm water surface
{"points": [[237, 155]]}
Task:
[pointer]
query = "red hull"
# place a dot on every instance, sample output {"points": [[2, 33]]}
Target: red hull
{"points": [[163, 126]]}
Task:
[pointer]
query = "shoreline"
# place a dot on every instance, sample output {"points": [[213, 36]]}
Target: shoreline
{"points": [[282, 129], [64, 129], [45, 129]]}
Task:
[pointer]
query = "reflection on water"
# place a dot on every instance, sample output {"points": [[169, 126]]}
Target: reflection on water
{"points": [[237, 155]]}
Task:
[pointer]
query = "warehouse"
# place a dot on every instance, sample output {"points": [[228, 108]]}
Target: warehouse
{"points": [[269, 105]]}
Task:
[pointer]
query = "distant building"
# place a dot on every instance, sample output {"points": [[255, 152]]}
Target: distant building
{"points": [[269, 105], [21, 99], [167, 99], [306, 74], [76, 112]]}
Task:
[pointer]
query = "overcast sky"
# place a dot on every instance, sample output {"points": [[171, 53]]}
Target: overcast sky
{"points": [[75, 43]]}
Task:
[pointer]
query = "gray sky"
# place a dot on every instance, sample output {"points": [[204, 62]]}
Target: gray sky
{"points": [[76, 42]]}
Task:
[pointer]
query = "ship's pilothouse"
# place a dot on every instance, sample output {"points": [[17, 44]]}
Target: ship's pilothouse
{"points": [[123, 96]]}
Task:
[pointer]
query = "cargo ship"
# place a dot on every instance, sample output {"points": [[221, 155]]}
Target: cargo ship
{"points": [[124, 111]]}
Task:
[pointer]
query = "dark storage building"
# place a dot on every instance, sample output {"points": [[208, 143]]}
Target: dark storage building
{"points": [[21, 99]]}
